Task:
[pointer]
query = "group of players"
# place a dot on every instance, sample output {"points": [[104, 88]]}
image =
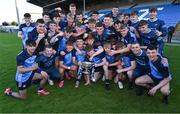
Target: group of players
{"points": [[120, 47]]}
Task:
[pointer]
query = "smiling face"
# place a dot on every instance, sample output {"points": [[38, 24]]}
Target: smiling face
{"points": [[99, 30], [107, 47], [135, 48], [152, 54], [52, 27], [69, 48], [49, 51], [31, 48], [40, 27], [153, 14], [143, 28], [80, 43], [124, 31]]}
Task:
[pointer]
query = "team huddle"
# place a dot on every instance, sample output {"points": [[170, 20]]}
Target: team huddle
{"points": [[116, 48]]}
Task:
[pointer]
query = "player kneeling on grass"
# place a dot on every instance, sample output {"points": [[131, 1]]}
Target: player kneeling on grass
{"points": [[66, 62], [46, 62], [99, 62], [126, 66], [160, 76], [27, 70]]}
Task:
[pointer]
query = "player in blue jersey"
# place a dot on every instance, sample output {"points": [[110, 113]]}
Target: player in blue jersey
{"points": [[66, 62], [142, 63], [81, 56], [27, 70], [99, 64], [63, 40], [108, 28], [39, 35], [159, 76], [127, 38], [46, 62], [53, 35], [126, 66], [111, 61], [24, 28], [91, 26], [148, 36], [100, 35], [134, 26], [159, 26]]}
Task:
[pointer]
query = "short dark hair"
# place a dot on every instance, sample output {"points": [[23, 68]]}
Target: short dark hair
{"points": [[153, 9], [45, 13], [95, 12], [92, 21], [133, 43], [72, 5], [152, 47], [123, 26], [99, 24], [27, 15], [48, 46], [30, 42], [127, 14], [41, 21], [134, 13], [143, 22]]}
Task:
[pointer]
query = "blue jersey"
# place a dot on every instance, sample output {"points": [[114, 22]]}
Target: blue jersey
{"points": [[98, 58], [149, 38], [159, 70], [68, 58], [25, 60], [129, 38], [46, 62], [111, 58], [135, 25], [34, 36], [142, 59], [126, 59], [62, 44], [81, 57], [158, 25], [101, 38], [25, 29]]}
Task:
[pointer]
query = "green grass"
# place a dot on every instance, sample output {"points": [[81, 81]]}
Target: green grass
{"points": [[84, 99]]}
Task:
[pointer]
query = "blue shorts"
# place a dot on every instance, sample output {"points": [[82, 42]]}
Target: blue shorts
{"points": [[26, 84], [139, 71]]}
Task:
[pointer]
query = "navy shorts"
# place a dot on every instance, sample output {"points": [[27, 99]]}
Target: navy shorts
{"points": [[155, 80], [26, 84]]}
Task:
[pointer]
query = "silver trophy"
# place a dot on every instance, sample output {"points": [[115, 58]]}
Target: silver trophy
{"points": [[87, 66]]}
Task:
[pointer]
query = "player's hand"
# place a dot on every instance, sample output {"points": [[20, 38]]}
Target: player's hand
{"points": [[62, 53], [41, 35], [152, 91], [164, 61], [73, 67], [79, 63], [44, 74], [158, 33], [119, 71], [132, 29], [91, 58], [112, 52], [60, 33], [106, 63], [34, 67]]}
